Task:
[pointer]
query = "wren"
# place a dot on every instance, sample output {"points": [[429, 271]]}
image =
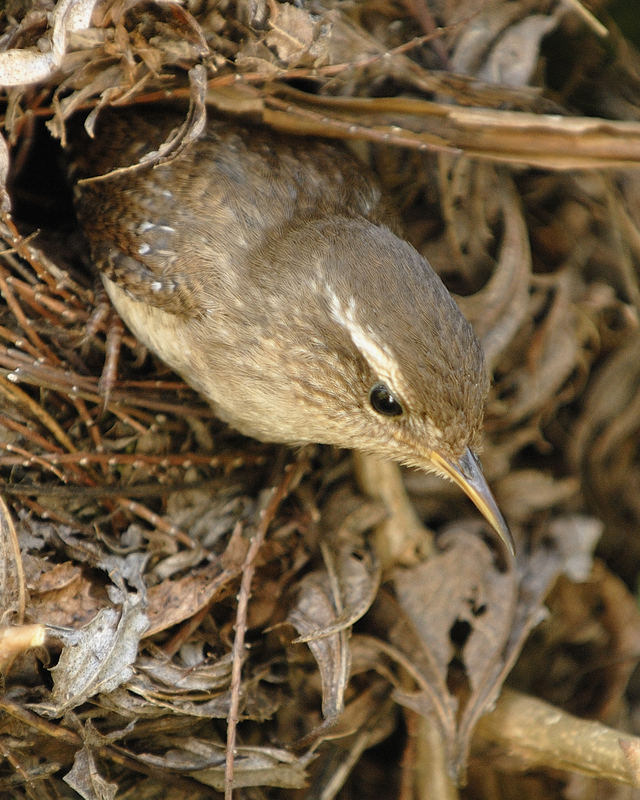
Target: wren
{"points": [[271, 274]]}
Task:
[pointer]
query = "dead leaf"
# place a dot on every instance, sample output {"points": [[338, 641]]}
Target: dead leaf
{"points": [[204, 761], [514, 57], [86, 780], [29, 65], [498, 310], [12, 579], [291, 33], [102, 658]]}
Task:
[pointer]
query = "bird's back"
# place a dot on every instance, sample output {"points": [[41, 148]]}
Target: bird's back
{"points": [[172, 232]]}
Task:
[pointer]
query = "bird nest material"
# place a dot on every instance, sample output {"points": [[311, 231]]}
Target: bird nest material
{"points": [[184, 610]]}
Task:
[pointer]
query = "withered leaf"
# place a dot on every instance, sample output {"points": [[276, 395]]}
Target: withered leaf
{"points": [[5, 200], [12, 579], [551, 355], [26, 66], [254, 766], [500, 307], [460, 584], [328, 603], [486, 25], [101, 660], [556, 255], [173, 601], [206, 705], [85, 778], [525, 491], [64, 595], [197, 677], [514, 57], [292, 32]]}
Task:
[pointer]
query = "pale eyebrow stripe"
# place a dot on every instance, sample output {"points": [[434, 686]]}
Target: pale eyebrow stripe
{"points": [[379, 358]]}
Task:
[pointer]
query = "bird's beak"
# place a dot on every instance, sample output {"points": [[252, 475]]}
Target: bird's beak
{"points": [[467, 473]]}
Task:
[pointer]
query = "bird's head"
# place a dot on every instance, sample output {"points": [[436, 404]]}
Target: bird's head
{"points": [[378, 356]]}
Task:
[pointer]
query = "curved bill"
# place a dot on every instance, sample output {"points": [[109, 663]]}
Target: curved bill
{"points": [[467, 473]]}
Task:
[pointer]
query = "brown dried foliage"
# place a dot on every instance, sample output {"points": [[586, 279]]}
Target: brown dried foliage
{"points": [[181, 606]]}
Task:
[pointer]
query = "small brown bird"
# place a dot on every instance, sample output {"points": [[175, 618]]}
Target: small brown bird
{"points": [[270, 273]]}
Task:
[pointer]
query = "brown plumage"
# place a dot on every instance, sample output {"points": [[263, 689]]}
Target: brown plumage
{"points": [[269, 272]]}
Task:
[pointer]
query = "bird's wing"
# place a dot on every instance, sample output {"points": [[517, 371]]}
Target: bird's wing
{"points": [[170, 234]]}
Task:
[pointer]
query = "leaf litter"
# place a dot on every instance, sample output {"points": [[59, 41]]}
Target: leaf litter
{"points": [[133, 645]]}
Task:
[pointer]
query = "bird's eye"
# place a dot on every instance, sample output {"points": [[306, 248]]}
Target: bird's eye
{"points": [[383, 401]]}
